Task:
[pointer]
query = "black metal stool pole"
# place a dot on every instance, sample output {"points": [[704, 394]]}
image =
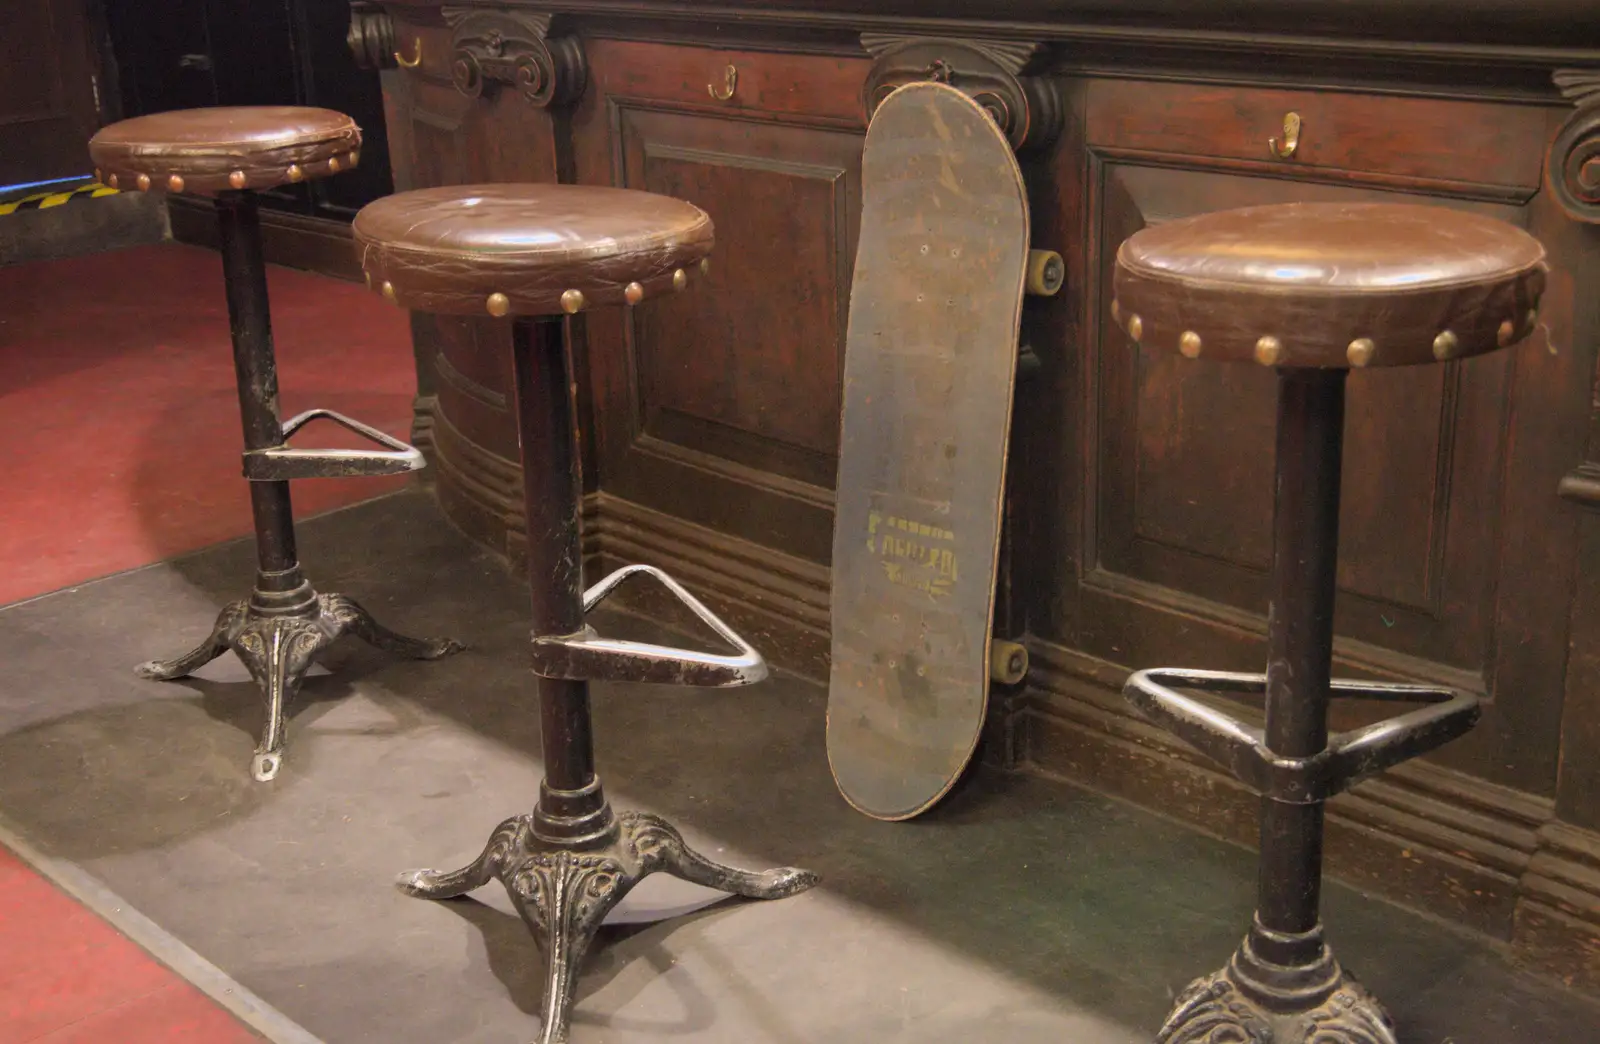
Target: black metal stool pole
{"points": [[571, 805], [1284, 958], [280, 586]]}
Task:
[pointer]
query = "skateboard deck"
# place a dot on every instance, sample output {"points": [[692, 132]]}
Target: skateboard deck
{"points": [[929, 371]]}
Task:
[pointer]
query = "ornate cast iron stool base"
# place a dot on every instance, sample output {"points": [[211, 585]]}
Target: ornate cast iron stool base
{"points": [[278, 644], [1234, 1006], [564, 889]]}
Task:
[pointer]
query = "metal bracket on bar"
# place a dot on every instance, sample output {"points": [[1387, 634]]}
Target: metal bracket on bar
{"points": [[1349, 756], [588, 656], [283, 462]]}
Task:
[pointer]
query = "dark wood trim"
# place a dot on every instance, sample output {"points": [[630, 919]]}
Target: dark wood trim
{"points": [[1504, 50], [320, 245]]}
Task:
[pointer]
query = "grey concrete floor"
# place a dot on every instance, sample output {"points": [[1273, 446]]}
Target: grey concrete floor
{"points": [[1019, 911]]}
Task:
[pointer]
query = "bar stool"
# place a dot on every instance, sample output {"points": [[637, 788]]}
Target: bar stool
{"points": [[538, 254], [232, 153], [1311, 290]]}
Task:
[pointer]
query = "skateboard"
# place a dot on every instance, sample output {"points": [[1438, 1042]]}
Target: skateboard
{"points": [[929, 371]]}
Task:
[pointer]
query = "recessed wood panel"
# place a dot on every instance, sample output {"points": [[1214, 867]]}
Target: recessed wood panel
{"points": [[777, 245], [745, 365]]}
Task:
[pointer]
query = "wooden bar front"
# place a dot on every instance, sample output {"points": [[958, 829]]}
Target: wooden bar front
{"points": [[1139, 521]]}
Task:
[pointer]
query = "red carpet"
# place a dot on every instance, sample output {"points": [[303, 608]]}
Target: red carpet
{"points": [[119, 416], [119, 420], [67, 977]]}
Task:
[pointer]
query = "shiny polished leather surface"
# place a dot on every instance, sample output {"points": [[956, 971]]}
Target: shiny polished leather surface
{"points": [[1417, 284], [212, 150], [449, 249]]}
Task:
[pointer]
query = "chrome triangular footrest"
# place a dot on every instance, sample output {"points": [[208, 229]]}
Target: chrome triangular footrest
{"points": [[284, 462], [588, 656]]}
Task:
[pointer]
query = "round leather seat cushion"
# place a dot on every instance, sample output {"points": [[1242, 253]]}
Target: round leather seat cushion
{"points": [[205, 151], [532, 249], [1330, 284]]}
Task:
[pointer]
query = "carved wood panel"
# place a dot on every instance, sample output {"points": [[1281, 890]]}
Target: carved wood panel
{"points": [[721, 405], [747, 365]]}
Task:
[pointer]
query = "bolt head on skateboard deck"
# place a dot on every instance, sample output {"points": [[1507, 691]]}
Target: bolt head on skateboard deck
{"points": [[930, 365]]}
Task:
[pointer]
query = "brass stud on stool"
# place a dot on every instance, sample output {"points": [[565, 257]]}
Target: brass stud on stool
{"points": [[142, 181], [572, 302], [633, 293], [499, 305], [175, 183], [1268, 351], [680, 279], [1360, 351], [1445, 345], [237, 180], [1189, 344]]}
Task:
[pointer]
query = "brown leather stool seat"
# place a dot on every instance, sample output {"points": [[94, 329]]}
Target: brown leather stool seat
{"points": [[1330, 285], [528, 249], [1311, 290], [206, 151]]}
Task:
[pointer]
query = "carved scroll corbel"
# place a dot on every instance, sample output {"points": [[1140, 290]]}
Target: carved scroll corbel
{"points": [[496, 47], [1001, 76], [1573, 166], [371, 36]]}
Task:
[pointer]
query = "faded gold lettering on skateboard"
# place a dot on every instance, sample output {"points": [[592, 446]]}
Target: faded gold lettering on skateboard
{"points": [[913, 554]]}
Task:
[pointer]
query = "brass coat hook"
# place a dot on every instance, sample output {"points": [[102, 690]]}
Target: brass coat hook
{"points": [[412, 63], [730, 81], [1291, 137]]}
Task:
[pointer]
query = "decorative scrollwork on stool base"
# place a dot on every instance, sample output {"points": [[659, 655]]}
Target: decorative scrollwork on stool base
{"points": [[278, 645], [564, 891], [1216, 1010]]}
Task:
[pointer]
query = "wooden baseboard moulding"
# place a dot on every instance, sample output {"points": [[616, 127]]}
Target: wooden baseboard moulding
{"points": [[1477, 854]]}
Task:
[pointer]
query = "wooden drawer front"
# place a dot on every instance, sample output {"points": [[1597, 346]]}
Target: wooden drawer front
{"points": [[1396, 138], [817, 87]]}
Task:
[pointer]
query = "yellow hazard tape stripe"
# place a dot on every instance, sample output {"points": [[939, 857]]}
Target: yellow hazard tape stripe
{"points": [[45, 200]]}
